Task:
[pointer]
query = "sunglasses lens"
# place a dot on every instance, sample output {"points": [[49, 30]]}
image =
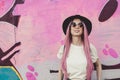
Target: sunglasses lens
{"points": [[81, 25], [74, 24]]}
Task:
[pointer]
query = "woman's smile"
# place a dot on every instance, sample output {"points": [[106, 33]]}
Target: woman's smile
{"points": [[76, 31]]}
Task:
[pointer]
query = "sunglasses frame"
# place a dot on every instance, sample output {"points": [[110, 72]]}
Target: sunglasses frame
{"points": [[73, 24]]}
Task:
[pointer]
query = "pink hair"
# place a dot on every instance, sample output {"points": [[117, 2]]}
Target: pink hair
{"points": [[87, 53], [86, 50], [66, 51]]}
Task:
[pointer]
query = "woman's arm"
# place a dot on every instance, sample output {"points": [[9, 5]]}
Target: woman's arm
{"points": [[98, 69], [60, 74]]}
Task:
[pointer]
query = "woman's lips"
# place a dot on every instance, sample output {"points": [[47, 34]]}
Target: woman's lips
{"points": [[76, 31]]}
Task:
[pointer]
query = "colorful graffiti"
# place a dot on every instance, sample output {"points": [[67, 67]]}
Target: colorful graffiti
{"points": [[31, 34], [31, 75], [7, 69]]}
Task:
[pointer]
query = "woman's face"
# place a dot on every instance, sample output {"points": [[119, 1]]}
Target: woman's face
{"points": [[76, 27]]}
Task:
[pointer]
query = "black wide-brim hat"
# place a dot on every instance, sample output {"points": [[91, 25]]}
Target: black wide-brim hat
{"points": [[86, 21]]}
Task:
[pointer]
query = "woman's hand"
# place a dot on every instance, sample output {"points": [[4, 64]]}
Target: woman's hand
{"points": [[60, 74]]}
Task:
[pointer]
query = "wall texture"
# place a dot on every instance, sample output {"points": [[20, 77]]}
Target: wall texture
{"points": [[31, 34]]}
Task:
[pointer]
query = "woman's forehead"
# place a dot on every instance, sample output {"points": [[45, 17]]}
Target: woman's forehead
{"points": [[77, 20]]}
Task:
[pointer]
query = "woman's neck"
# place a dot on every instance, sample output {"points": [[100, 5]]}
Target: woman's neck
{"points": [[77, 41]]}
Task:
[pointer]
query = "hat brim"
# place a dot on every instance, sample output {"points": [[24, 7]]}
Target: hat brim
{"points": [[71, 18]]}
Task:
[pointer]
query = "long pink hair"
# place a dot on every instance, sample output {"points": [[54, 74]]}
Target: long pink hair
{"points": [[86, 45]]}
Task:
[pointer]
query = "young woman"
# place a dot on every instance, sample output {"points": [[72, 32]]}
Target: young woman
{"points": [[77, 54]]}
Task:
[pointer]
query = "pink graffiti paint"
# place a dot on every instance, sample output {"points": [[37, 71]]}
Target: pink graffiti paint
{"points": [[36, 73], [30, 68], [5, 6], [105, 51], [113, 53], [2, 4], [31, 75], [110, 51]]}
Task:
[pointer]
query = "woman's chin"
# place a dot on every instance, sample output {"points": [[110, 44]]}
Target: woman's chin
{"points": [[76, 34]]}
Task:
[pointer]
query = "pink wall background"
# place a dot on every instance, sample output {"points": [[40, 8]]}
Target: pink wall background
{"points": [[40, 32], [41, 22]]}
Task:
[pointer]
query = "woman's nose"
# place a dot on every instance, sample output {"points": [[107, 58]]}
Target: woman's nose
{"points": [[77, 26]]}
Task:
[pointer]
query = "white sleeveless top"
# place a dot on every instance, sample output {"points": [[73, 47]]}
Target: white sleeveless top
{"points": [[76, 61]]}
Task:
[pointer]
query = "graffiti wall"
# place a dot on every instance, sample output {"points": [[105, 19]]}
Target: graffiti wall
{"points": [[31, 34]]}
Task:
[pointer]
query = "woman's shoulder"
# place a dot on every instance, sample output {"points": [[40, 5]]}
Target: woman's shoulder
{"points": [[94, 54], [60, 52], [62, 46], [92, 46]]}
